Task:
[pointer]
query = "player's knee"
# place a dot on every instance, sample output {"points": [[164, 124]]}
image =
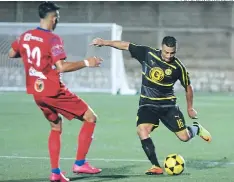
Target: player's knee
{"points": [[57, 129], [143, 131], [183, 135], [184, 138], [91, 117], [56, 124]]}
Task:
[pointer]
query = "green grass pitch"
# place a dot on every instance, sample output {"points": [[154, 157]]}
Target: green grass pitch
{"points": [[116, 148]]}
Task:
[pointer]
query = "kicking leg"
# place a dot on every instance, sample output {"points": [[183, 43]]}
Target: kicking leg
{"points": [[187, 133], [191, 131], [175, 122]]}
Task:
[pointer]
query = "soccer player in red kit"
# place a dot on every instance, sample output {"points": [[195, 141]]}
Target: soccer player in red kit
{"points": [[44, 57]]}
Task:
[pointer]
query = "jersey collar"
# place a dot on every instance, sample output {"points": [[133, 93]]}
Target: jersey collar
{"points": [[39, 28]]}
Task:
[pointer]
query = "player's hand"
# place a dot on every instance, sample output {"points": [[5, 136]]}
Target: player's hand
{"points": [[98, 42], [192, 113], [94, 61]]}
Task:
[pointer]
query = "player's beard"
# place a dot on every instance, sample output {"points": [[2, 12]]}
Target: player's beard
{"points": [[54, 26]]}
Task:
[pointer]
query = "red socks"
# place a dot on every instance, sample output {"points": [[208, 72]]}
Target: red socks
{"points": [[84, 140], [54, 144]]}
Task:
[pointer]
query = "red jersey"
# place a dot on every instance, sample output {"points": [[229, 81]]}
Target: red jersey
{"points": [[40, 49]]}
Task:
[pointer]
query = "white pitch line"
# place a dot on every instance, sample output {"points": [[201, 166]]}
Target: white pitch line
{"points": [[68, 158], [111, 160]]}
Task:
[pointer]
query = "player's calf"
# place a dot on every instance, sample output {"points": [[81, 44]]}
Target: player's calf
{"points": [[85, 138], [143, 131], [54, 146]]}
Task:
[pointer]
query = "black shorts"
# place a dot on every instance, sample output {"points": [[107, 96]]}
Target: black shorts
{"points": [[171, 117]]}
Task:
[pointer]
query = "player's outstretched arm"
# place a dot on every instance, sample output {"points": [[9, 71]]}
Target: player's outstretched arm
{"points": [[63, 66], [122, 45]]}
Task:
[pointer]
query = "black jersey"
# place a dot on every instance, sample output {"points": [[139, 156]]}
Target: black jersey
{"points": [[158, 76]]}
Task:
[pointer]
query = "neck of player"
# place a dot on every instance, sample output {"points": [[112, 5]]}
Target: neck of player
{"points": [[45, 25]]}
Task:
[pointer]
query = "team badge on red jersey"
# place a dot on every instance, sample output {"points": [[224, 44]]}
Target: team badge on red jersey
{"points": [[39, 85]]}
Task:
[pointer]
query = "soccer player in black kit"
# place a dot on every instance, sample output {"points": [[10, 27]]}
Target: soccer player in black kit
{"points": [[160, 70]]}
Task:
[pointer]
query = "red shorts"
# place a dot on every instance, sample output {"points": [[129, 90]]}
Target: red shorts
{"points": [[65, 103]]}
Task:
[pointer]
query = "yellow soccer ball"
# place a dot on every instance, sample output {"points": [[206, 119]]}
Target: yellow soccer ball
{"points": [[174, 164]]}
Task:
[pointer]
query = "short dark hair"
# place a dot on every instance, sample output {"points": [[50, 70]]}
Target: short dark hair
{"points": [[169, 41], [47, 7]]}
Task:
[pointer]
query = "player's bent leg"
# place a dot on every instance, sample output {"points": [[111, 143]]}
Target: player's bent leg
{"points": [[175, 122], [143, 131], [84, 141], [192, 131], [184, 135]]}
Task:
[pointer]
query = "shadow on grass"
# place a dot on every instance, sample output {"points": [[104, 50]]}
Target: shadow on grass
{"points": [[106, 175], [202, 164]]}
